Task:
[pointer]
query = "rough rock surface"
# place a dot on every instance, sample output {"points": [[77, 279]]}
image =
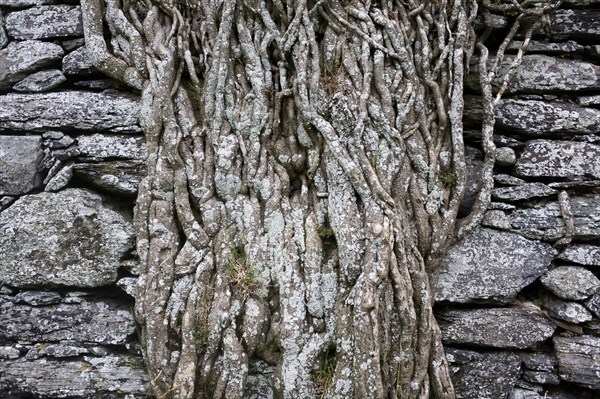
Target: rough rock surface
{"points": [[571, 282], [113, 176], [3, 35], [544, 221], [45, 22], [20, 59], [78, 63], [537, 118], [489, 375], [121, 147], [505, 156], [41, 81], [571, 312], [522, 192], [25, 3], [581, 25], [113, 376], [62, 239], [593, 304], [544, 158], [491, 266], [579, 359], [103, 321], [494, 327], [83, 111], [38, 298], [20, 159], [583, 254]]}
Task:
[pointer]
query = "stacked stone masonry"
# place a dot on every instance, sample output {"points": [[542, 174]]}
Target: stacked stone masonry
{"points": [[517, 301]]}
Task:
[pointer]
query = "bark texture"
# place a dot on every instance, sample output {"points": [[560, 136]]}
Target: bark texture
{"points": [[305, 171]]}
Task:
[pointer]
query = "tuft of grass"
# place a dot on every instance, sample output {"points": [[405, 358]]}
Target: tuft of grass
{"points": [[449, 179], [241, 274], [324, 375]]}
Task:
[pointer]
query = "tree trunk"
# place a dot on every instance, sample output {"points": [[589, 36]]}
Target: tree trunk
{"points": [[306, 165]]}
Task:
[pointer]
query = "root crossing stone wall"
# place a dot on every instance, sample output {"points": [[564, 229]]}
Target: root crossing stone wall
{"points": [[518, 300]]}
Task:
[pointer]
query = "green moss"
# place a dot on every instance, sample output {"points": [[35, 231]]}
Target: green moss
{"points": [[449, 179], [324, 231]]}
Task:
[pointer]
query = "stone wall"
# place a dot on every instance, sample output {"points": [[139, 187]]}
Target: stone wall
{"points": [[518, 302]]}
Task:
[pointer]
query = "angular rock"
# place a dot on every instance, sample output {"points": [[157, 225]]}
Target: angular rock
{"points": [[537, 47], [538, 361], [80, 111], [491, 266], [580, 25], [9, 352], [20, 158], [78, 63], [593, 304], [489, 375], [115, 176], [551, 393], [114, 376], [41, 81], [38, 298], [497, 219], [571, 312], [544, 221], [45, 22], [20, 59], [69, 238], [25, 3], [3, 35], [583, 254], [101, 321], [73, 44], [536, 118], [571, 282], [579, 360], [494, 327], [508, 180], [522, 192], [545, 158], [101, 146], [543, 74], [586, 101], [541, 377], [59, 350]]}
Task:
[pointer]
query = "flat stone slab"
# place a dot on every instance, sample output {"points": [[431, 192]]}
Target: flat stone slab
{"points": [[583, 254], [20, 158], [117, 376], [535, 118], [121, 147], [579, 360], [581, 25], [120, 177], [491, 266], [74, 110], [489, 375], [544, 74], [20, 59], [67, 238], [78, 63], [545, 158], [571, 282], [41, 81], [523, 192], [544, 221], [25, 3], [99, 321], [494, 327], [45, 22], [571, 312]]}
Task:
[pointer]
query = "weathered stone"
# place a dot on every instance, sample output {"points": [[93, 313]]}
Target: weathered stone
{"points": [[522, 192], [78, 63], [489, 375], [67, 238], [501, 206], [583, 254], [541, 377], [61, 350], [537, 118], [115, 377], [41, 81], [537, 47], [60, 180], [586, 101], [81, 111], [114, 176], [544, 158], [97, 84], [3, 35], [20, 59], [101, 146], [128, 284], [543, 74], [571, 312], [593, 304], [576, 183], [102, 321], [579, 360], [491, 266], [581, 25], [544, 221], [580, 3], [497, 219], [551, 393], [593, 52], [494, 327], [45, 22], [538, 361], [9, 352], [571, 282], [73, 44], [38, 298], [508, 180], [505, 156], [20, 158], [25, 3]]}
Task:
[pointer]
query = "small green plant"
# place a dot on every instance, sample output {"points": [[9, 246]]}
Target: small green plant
{"points": [[324, 231], [324, 375], [241, 273], [449, 179]]}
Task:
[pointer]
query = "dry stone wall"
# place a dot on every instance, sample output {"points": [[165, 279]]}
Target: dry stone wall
{"points": [[518, 300]]}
